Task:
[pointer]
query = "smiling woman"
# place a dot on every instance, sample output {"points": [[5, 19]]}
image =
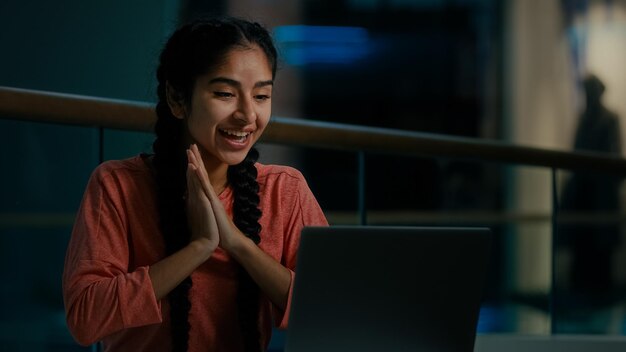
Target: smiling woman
{"points": [[230, 106], [193, 248]]}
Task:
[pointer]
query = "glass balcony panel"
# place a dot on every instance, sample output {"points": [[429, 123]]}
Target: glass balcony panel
{"points": [[513, 201], [590, 254]]}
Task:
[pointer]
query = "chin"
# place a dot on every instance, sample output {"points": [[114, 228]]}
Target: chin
{"points": [[234, 159]]}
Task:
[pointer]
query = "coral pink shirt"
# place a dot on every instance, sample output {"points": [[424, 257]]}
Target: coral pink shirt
{"points": [[106, 287]]}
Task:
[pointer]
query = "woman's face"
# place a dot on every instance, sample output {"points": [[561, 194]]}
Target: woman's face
{"points": [[231, 106]]}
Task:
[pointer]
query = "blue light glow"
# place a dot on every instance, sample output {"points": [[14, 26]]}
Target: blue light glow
{"points": [[303, 45], [490, 319]]}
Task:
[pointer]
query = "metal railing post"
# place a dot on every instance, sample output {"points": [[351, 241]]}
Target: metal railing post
{"points": [[361, 188], [555, 225]]}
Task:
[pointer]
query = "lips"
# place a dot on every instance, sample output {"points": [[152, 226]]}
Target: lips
{"points": [[235, 135]]}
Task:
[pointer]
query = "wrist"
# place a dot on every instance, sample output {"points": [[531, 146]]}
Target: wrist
{"points": [[203, 247], [238, 248]]}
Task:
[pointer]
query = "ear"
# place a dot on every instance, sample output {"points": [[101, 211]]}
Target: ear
{"points": [[175, 102]]}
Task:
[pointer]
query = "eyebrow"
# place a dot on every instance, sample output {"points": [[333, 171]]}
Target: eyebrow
{"points": [[237, 84]]}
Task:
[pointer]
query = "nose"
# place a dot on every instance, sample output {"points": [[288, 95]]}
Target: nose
{"points": [[245, 112]]}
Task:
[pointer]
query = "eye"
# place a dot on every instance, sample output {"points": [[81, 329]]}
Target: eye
{"points": [[221, 94], [262, 97]]}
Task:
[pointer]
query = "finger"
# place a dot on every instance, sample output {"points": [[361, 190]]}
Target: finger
{"points": [[197, 157], [201, 172], [193, 181], [190, 169], [200, 162], [197, 196], [192, 186], [205, 184], [192, 158]]}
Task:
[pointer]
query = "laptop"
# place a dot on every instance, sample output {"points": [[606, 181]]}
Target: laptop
{"points": [[379, 289]]}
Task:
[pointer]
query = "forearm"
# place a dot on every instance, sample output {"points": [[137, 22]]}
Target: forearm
{"points": [[98, 305], [171, 271], [95, 297], [272, 277]]}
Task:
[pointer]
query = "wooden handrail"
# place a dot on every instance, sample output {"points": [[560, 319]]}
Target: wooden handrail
{"points": [[70, 109], [57, 108]]}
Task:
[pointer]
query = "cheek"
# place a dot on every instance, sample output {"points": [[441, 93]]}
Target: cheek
{"points": [[196, 130], [207, 116], [201, 128], [264, 117]]}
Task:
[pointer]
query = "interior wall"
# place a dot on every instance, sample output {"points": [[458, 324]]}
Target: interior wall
{"points": [[540, 112], [96, 48]]}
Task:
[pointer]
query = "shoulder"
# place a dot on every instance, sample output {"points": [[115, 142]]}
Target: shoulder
{"points": [[121, 170], [284, 191], [273, 173], [279, 179]]}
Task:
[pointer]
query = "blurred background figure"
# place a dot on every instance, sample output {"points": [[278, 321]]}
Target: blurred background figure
{"points": [[598, 129], [592, 242]]}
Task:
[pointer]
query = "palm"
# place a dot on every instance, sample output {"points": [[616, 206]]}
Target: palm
{"points": [[200, 215], [218, 220]]}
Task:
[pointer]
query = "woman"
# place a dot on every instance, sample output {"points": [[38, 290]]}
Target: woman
{"points": [[193, 248]]}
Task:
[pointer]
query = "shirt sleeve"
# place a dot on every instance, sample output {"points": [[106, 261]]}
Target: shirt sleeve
{"points": [[101, 296], [305, 212]]}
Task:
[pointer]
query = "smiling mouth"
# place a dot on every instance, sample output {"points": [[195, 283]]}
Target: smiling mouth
{"points": [[239, 136]]}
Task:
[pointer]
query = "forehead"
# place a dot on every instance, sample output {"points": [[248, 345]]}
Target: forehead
{"points": [[244, 62]]}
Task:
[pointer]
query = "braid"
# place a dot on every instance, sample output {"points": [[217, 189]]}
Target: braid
{"points": [[242, 178], [246, 215], [170, 164]]}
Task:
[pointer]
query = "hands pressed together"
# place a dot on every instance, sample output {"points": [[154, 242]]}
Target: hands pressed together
{"points": [[206, 215], [211, 227]]}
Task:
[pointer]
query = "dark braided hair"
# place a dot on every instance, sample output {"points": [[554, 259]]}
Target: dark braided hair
{"points": [[191, 51], [246, 214]]}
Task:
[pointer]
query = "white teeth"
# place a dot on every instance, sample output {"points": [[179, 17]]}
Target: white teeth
{"points": [[236, 133]]}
